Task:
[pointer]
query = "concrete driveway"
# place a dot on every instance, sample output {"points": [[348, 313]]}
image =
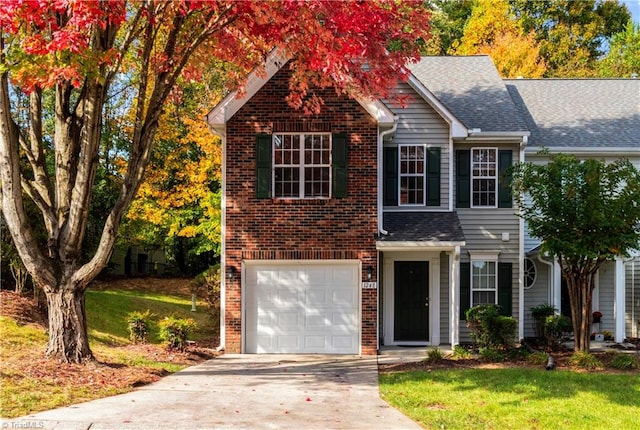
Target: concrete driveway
{"points": [[242, 392]]}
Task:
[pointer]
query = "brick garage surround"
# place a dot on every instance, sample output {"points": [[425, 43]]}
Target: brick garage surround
{"points": [[293, 229]]}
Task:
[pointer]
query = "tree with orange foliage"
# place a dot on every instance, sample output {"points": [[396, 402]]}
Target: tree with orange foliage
{"points": [[80, 51], [492, 30]]}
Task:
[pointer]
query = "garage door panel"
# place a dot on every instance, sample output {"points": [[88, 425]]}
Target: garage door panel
{"points": [[302, 308]]}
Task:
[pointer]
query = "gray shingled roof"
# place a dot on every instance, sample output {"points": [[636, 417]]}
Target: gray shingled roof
{"points": [[422, 227], [471, 88], [579, 112]]}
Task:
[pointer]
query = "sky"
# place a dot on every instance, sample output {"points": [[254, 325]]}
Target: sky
{"points": [[634, 8]]}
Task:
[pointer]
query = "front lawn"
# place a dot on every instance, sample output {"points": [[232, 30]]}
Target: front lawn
{"points": [[515, 397]]}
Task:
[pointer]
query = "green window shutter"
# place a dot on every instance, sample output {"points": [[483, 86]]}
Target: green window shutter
{"points": [[263, 166], [465, 289], [339, 165], [505, 159], [390, 182], [463, 178], [433, 176], [504, 288]]}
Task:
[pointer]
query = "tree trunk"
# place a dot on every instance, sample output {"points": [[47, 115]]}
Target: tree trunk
{"points": [[580, 287], [68, 339]]}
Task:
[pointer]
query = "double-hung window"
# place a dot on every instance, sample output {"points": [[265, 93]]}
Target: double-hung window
{"points": [[484, 282], [412, 159], [484, 177], [302, 165]]}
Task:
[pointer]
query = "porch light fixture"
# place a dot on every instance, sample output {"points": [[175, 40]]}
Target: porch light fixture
{"points": [[369, 273], [231, 272]]}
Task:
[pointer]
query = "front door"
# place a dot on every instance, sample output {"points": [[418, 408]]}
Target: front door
{"points": [[411, 301]]}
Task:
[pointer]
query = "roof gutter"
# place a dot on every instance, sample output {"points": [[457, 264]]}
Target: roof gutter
{"points": [[381, 137]]}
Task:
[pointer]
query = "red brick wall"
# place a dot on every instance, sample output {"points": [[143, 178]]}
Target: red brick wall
{"points": [[300, 229]]}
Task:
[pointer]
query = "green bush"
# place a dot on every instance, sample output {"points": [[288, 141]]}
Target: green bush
{"points": [[434, 355], [207, 286], [489, 329], [625, 361], [138, 325], [585, 360], [538, 358], [460, 351], [539, 315], [492, 355], [175, 331], [555, 327]]}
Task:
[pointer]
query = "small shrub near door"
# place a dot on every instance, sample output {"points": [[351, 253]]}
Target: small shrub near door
{"points": [[175, 331]]}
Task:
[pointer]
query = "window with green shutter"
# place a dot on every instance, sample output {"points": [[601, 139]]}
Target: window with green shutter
{"points": [[482, 178], [301, 165], [411, 175], [505, 198], [463, 178], [339, 166], [486, 282], [263, 166]]}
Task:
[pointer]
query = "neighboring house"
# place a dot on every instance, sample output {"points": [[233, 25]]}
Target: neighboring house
{"points": [[590, 118], [371, 224], [137, 261]]}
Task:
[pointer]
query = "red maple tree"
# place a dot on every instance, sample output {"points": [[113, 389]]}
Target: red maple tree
{"points": [[77, 50]]}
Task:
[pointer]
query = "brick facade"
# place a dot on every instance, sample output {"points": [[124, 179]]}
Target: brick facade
{"points": [[314, 229]]}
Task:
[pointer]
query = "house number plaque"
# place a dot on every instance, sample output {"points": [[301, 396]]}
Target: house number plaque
{"points": [[369, 285]]}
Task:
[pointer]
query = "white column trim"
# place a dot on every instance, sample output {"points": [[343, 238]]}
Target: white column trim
{"points": [[619, 300]]}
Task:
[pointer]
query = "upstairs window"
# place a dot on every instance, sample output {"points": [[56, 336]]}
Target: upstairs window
{"points": [[484, 176], [302, 165], [411, 175], [412, 172]]}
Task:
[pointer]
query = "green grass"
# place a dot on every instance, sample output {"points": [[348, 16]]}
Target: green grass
{"points": [[515, 398], [107, 314]]}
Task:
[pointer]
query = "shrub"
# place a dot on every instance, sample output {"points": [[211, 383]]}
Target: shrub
{"points": [[491, 355], [207, 286], [460, 351], [138, 325], [539, 314], [489, 329], [555, 327], [585, 360], [626, 361], [174, 331], [538, 358], [434, 355]]}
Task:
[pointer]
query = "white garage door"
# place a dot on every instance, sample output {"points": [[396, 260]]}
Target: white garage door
{"points": [[302, 308]]}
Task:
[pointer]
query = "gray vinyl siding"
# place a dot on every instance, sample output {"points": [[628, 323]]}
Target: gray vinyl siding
{"points": [[444, 298], [536, 295], [419, 123], [483, 228], [632, 298]]}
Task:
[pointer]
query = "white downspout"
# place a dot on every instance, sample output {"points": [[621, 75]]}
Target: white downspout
{"points": [[454, 312], [521, 257], [549, 278], [223, 229], [381, 137]]}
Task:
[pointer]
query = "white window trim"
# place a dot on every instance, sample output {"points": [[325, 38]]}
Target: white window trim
{"points": [[486, 257], [473, 178], [301, 166], [412, 175]]}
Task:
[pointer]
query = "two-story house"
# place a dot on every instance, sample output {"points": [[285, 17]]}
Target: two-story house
{"points": [[370, 224]]}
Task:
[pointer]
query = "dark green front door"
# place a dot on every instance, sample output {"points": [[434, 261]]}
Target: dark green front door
{"points": [[411, 301]]}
